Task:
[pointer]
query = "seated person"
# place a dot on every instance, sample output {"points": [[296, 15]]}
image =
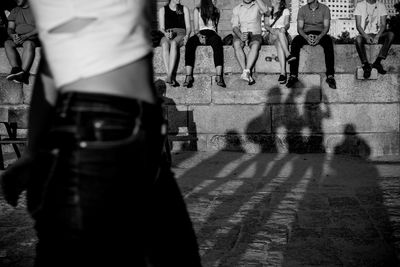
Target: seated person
{"points": [[206, 18], [246, 25], [313, 22], [277, 34], [371, 24], [174, 20], [22, 32]]}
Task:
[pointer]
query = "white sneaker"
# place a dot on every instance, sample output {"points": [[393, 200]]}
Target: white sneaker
{"points": [[245, 75]]}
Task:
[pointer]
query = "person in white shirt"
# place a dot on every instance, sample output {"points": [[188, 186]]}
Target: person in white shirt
{"points": [[277, 26], [371, 18], [246, 26], [99, 188]]}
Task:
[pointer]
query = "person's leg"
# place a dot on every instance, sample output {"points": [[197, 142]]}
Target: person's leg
{"points": [[282, 59], [386, 39], [166, 56], [13, 58], [297, 43], [327, 45], [190, 54], [28, 55], [239, 53], [253, 54], [173, 56], [360, 46], [214, 40], [284, 42]]}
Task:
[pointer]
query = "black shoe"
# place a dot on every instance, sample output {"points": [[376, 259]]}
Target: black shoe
{"points": [[220, 81], [188, 81], [291, 81], [282, 79], [14, 72], [367, 70], [290, 58], [251, 80], [330, 80], [379, 68], [174, 83]]}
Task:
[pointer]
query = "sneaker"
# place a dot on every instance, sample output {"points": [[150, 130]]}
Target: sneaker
{"points": [[379, 68], [14, 72], [219, 79], [330, 80], [282, 79], [245, 75], [291, 81], [290, 58], [367, 70]]}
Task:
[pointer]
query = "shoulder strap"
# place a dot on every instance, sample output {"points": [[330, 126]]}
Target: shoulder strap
{"points": [[273, 23]]}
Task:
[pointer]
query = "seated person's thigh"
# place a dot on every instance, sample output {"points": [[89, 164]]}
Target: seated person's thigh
{"points": [[237, 41], [255, 39]]}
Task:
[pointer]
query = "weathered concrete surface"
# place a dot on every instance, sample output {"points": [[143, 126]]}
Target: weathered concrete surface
{"points": [[270, 210]]}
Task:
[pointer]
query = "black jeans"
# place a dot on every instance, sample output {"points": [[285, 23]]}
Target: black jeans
{"points": [[326, 43], [213, 39], [386, 39], [102, 193]]}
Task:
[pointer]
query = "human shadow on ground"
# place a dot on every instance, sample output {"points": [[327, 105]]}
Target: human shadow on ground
{"points": [[290, 209], [342, 219]]}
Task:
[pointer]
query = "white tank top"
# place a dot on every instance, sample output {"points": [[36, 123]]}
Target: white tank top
{"points": [[118, 34], [208, 26]]}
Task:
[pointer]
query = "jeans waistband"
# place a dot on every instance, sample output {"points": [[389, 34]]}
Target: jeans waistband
{"points": [[70, 103]]}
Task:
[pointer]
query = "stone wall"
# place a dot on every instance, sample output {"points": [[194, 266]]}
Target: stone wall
{"points": [[360, 117]]}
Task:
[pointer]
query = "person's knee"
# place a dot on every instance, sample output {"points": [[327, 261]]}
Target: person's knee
{"points": [[237, 44], [164, 43], [174, 44], [256, 45], [359, 40], [9, 44], [390, 36], [29, 45]]}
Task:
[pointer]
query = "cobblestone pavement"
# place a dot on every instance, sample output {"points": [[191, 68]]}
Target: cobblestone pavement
{"points": [[271, 210]]}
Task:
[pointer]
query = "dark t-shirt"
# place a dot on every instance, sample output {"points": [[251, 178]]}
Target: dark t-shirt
{"points": [[314, 20], [23, 19]]}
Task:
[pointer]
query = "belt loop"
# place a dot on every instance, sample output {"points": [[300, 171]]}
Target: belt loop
{"points": [[65, 105]]}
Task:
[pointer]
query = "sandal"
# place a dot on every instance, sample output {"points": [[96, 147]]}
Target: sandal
{"points": [[174, 83], [188, 81], [220, 81]]}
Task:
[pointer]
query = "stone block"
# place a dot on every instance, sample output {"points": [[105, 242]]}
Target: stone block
{"points": [[360, 74], [391, 63], [263, 66], [3, 114], [256, 143], [364, 118], [351, 90], [28, 88], [10, 92], [240, 118], [177, 119], [346, 58], [267, 90], [20, 116]]}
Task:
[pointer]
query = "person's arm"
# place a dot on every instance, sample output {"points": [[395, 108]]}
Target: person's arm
{"points": [[286, 23], [196, 21], [367, 38], [236, 24], [161, 21], [327, 25], [187, 24], [382, 28], [21, 38], [11, 30], [263, 8]]}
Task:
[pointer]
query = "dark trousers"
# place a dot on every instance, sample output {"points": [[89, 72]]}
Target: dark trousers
{"points": [[103, 194], [212, 39], [326, 43], [386, 39]]}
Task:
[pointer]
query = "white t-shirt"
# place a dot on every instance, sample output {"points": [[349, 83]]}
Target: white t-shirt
{"points": [[118, 34], [280, 23], [370, 15], [209, 26]]}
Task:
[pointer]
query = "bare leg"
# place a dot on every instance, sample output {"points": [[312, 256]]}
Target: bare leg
{"points": [[165, 51], [189, 70], [218, 70], [28, 55], [12, 54], [172, 58], [284, 43], [281, 56], [253, 55], [240, 56]]}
